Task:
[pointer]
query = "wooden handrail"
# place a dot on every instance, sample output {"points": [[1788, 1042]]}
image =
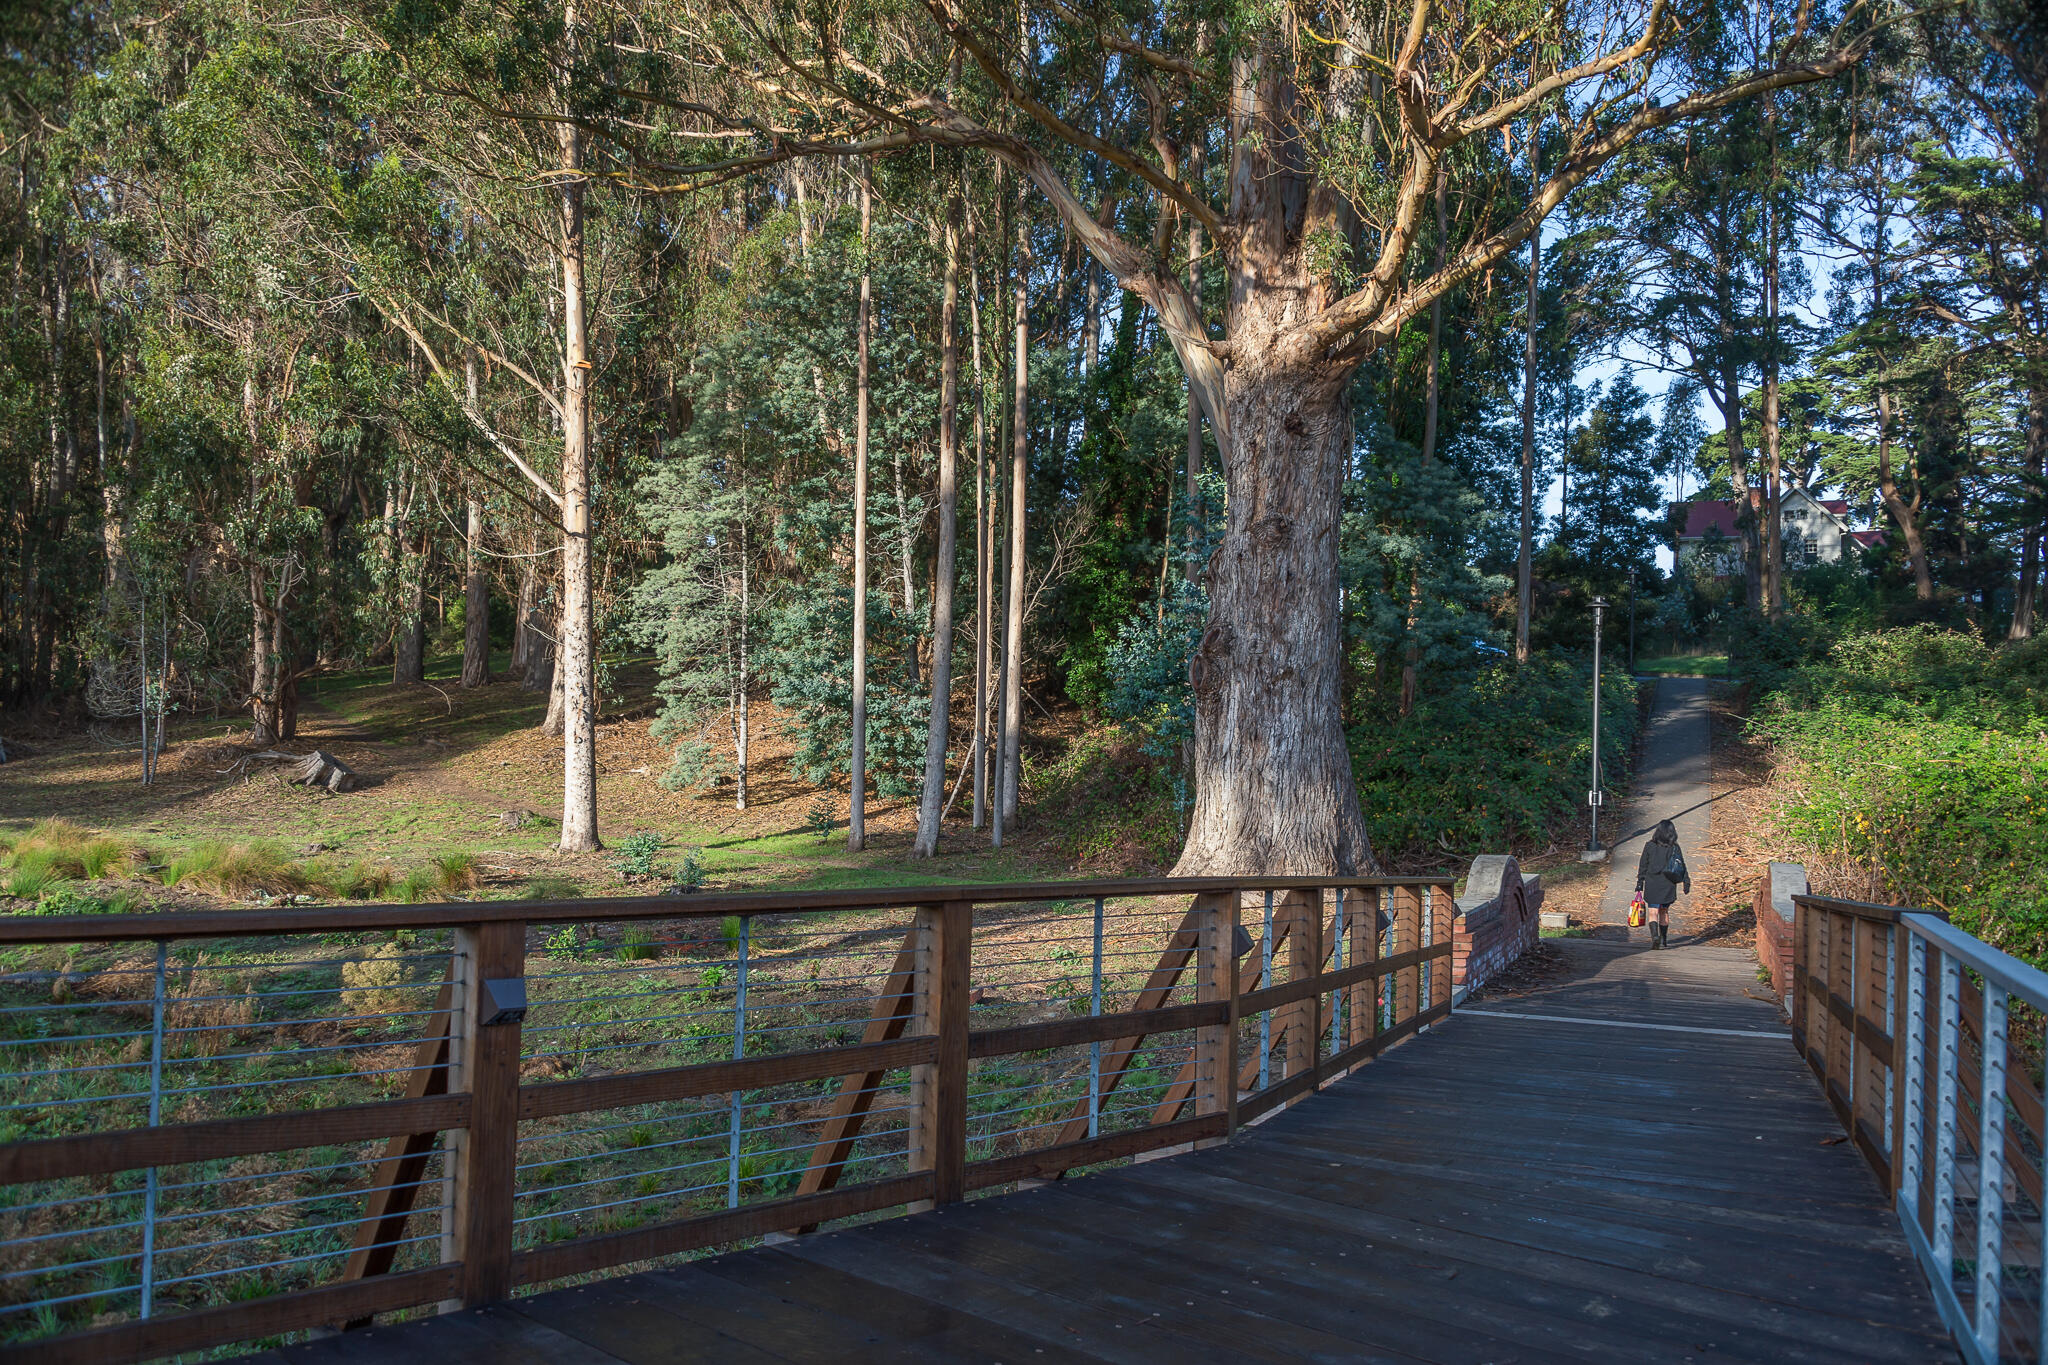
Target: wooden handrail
{"points": [[370, 919], [466, 1090]]}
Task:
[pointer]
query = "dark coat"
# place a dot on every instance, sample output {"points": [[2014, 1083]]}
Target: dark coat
{"points": [[1660, 872]]}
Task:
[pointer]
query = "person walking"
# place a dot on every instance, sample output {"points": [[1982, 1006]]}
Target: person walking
{"points": [[1658, 876]]}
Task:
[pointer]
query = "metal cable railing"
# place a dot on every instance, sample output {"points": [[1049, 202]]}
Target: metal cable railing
{"points": [[210, 1133]]}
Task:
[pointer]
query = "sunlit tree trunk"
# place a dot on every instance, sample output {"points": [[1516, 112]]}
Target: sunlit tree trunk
{"points": [[1013, 623], [1525, 557], [939, 737], [576, 653], [984, 580], [856, 824]]}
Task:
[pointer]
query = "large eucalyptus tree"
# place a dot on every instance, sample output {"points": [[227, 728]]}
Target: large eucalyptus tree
{"points": [[1330, 122]]}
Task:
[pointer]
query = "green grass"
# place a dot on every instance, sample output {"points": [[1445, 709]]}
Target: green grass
{"points": [[1705, 665], [237, 868]]}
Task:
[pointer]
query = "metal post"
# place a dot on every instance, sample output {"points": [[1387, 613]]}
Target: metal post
{"points": [[739, 1052], [156, 1109], [1095, 1048], [1428, 937], [1991, 1173], [1945, 1122], [1593, 792], [1265, 980], [1913, 1061], [1337, 997]]}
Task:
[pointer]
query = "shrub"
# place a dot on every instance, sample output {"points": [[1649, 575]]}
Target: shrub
{"points": [[633, 855], [1499, 758], [1111, 799], [376, 984], [30, 882], [236, 869]]}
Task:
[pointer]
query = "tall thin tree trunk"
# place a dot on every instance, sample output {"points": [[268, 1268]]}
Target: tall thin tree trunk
{"points": [[522, 616], [856, 823], [984, 581], [575, 655], [1410, 664], [1525, 559], [906, 543], [2028, 585], [409, 658], [1774, 468], [476, 595], [1194, 459], [476, 603], [1020, 432], [938, 738], [743, 676], [263, 660]]}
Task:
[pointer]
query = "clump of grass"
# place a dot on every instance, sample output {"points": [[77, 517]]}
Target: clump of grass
{"points": [[416, 886], [30, 883], [237, 868], [63, 850], [551, 888], [360, 880], [457, 871], [637, 943]]}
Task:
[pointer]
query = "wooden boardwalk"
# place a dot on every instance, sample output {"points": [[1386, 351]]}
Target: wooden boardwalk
{"points": [[1566, 1185]]}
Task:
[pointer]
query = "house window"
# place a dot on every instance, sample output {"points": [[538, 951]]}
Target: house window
{"points": [[1812, 550]]}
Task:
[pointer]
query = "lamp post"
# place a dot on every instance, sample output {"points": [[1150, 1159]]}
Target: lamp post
{"points": [[1594, 853]]}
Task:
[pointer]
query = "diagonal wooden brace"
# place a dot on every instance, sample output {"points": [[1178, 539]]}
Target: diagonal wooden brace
{"points": [[893, 1008]]}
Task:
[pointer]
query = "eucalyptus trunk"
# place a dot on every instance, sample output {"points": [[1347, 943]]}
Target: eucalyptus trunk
{"points": [[938, 738], [856, 820], [575, 664], [476, 603]]}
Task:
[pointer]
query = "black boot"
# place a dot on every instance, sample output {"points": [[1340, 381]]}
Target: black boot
{"points": [[1656, 934]]}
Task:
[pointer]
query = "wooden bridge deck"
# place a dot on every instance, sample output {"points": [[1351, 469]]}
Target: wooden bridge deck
{"points": [[1568, 1187]]}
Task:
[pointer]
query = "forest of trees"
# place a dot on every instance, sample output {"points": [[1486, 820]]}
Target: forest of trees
{"points": [[1280, 383]]}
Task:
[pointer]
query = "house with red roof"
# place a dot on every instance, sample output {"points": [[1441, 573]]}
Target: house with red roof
{"points": [[1816, 531]]}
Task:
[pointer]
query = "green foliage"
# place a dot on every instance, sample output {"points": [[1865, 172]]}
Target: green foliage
{"points": [[1920, 771], [551, 888], [1495, 761], [70, 900], [634, 855], [1113, 800]]}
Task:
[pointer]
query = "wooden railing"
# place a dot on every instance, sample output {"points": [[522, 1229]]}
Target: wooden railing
{"points": [[1907, 1023], [233, 1125]]}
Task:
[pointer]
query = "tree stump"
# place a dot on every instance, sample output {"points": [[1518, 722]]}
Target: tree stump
{"points": [[322, 769]]}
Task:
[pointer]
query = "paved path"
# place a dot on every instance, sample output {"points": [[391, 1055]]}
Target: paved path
{"points": [[1626, 1163], [1673, 781]]}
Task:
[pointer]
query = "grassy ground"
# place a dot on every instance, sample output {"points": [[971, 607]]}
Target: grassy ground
{"points": [[1686, 665], [439, 765]]}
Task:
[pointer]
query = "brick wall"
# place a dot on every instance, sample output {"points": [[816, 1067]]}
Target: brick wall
{"points": [[1775, 916], [1497, 919]]}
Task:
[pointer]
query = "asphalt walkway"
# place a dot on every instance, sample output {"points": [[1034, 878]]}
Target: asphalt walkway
{"points": [[1673, 782]]}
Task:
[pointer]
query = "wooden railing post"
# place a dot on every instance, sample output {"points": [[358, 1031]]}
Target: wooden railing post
{"points": [[1802, 959], [484, 1061], [1303, 1018], [1216, 979], [1905, 1056], [1441, 906], [1407, 983], [945, 935], [1362, 934]]}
